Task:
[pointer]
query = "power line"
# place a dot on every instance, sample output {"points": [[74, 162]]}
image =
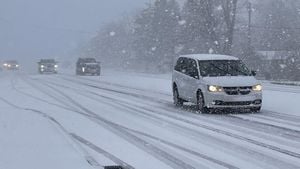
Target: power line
{"points": [[244, 27], [275, 28]]}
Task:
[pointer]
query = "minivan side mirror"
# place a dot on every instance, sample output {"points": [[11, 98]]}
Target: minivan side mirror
{"points": [[253, 73]]}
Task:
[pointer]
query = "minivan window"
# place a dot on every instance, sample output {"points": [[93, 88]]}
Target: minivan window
{"points": [[192, 70], [88, 60], [181, 65], [178, 64], [223, 68]]}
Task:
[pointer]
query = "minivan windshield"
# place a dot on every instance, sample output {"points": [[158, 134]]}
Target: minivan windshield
{"points": [[48, 61], [223, 68], [89, 60]]}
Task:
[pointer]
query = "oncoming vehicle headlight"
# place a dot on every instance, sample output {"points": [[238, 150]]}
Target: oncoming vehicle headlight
{"points": [[257, 87], [56, 66], [213, 88], [83, 69], [42, 66]]}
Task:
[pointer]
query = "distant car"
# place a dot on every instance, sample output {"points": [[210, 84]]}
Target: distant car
{"points": [[215, 81], [11, 65], [47, 66], [88, 66]]}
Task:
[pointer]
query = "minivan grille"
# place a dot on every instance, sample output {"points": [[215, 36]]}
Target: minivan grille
{"points": [[237, 90], [244, 103]]}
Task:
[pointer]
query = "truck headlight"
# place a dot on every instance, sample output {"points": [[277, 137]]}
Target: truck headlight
{"points": [[42, 66], [257, 88], [213, 88], [83, 69], [56, 66]]}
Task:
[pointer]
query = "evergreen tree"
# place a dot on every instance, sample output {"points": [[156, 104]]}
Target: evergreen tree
{"points": [[112, 45], [277, 23], [156, 32], [209, 26]]}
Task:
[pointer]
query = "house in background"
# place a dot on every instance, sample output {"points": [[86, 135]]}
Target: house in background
{"points": [[275, 64]]}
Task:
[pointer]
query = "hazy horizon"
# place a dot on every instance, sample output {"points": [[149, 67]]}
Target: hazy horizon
{"points": [[35, 29]]}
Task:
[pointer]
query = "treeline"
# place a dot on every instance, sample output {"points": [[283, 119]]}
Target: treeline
{"points": [[153, 37]]}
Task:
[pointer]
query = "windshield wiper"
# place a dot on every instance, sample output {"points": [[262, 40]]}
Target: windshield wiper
{"points": [[243, 73], [226, 71]]}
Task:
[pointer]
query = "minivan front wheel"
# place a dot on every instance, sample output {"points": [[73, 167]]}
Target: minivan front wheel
{"points": [[177, 101], [200, 103]]}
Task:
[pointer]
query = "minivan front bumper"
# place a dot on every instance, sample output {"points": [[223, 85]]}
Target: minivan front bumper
{"points": [[223, 100]]}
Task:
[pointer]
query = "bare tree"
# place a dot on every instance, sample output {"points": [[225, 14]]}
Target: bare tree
{"points": [[229, 10]]}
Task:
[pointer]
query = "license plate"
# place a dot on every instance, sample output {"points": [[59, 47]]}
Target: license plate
{"points": [[243, 98]]}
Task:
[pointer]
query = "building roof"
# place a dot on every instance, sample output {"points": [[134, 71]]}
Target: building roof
{"points": [[275, 55], [210, 57]]}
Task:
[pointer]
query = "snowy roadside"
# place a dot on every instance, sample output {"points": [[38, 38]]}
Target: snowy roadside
{"points": [[288, 83], [31, 141]]}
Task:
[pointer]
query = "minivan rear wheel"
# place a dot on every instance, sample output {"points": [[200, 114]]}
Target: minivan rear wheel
{"points": [[177, 100], [200, 103]]}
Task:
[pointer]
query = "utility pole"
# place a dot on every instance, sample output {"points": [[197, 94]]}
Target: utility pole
{"points": [[249, 7]]}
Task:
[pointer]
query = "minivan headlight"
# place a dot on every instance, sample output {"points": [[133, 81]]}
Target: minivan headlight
{"points": [[213, 88], [257, 87]]}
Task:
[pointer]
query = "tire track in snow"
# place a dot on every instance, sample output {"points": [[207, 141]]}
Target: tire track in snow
{"points": [[147, 147], [47, 93], [172, 145], [286, 117], [111, 84], [197, 154], [13, 83], [265, 145], [134, 94], [101, 151], [139, 95], [274, 148], [221, 163], [89, 158], [284, 131], [288, 127]]}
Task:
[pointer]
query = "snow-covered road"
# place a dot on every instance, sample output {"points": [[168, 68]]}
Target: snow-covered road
{"points": [[129, 119]]}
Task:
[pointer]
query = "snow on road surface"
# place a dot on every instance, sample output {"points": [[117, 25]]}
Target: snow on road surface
{"points": [[129, 119], [30, 141]]}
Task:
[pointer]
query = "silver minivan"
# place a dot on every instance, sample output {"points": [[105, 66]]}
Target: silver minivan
{"points": [[215, 81]]}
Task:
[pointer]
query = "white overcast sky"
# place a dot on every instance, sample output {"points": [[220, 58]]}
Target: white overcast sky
{"points": [[32, 29]]}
